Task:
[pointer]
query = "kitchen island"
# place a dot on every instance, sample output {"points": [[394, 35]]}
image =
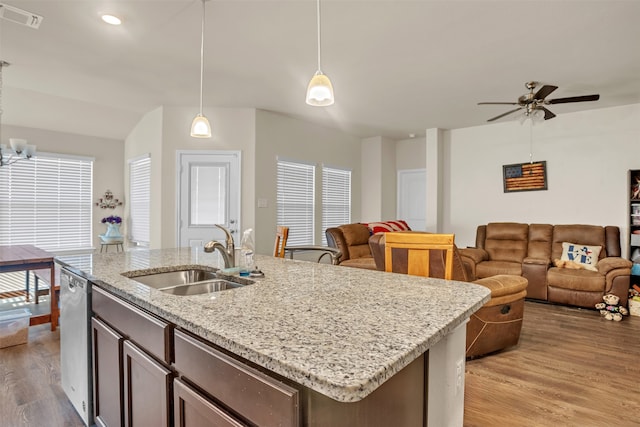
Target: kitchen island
{"points": [[339, 335]]}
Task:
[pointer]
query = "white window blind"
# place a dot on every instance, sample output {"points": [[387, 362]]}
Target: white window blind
{"points": [[336, 198], [47, 202], [140, 200], [296, 192]]}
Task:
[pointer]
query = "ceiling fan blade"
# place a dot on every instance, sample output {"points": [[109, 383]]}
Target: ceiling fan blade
{"points": [[544, 91], [574, 99], [504, 114], [497, 103], [547, 114]]}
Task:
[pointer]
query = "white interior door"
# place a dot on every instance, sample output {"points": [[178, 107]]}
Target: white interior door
{"points": [[412, 198], [208, 194]]}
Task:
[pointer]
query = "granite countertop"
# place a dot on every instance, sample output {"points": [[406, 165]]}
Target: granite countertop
{"points": [[340, 331]]}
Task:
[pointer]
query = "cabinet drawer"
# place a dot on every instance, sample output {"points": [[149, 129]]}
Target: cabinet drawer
{"points": [[193, 410], [253, 395], [148, 331]]}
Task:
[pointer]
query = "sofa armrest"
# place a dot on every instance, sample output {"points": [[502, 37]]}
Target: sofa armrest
{"points": [[617, 274], [535, 271], [605, 265], [476, 255], [470, 257], [335, 239]]}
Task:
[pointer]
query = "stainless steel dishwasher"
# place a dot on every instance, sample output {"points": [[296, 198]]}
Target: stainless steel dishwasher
{"points": [[75, 339]]}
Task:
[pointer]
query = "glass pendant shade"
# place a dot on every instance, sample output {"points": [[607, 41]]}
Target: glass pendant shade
{"points": [[200, 127], [538, 116], [18, 145], [320, 90]]}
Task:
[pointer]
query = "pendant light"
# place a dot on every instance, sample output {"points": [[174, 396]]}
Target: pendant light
{"points": [[200, 127], [320, 90]]}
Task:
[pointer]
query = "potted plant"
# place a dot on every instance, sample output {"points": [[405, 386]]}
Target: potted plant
{"points": [[113, 228]]}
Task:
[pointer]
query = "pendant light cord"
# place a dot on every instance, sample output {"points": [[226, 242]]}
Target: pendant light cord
{"points": [[202, 56], [531, 142], [318, 21]]}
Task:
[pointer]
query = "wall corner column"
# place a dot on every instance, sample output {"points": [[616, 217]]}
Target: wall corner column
{"points": [[434, 152]]}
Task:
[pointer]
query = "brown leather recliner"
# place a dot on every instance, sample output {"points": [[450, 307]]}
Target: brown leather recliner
{"points": [[352, 240], [497, 324]]}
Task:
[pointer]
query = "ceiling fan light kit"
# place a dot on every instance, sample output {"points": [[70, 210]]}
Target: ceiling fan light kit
{"points": [[533, 104]]}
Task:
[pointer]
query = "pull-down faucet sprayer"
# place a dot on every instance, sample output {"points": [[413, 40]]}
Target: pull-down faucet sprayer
{"points": [[228, 252]]}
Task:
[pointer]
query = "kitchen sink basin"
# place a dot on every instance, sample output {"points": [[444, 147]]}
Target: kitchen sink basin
{"points": [[202, 287], [186, 282], [174, 278]]}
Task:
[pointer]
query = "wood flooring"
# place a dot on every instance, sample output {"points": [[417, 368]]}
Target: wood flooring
{"points": [[30, 391], [571, 368]]}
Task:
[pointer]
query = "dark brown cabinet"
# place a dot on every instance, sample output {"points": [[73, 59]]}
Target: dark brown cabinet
{"points": [[147, 389], [131, 358], [244, 391], [193, 409], [107, 374]]}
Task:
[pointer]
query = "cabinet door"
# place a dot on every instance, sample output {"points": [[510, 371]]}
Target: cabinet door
{"points": [[107, 374], [193, 410], [147, 389]]}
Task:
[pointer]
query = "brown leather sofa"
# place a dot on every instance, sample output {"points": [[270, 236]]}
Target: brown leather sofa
{"points": [[352, 240], [530, 249], [497, 324]]}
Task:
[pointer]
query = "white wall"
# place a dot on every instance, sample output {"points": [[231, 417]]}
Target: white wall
{"points": [[411, 153], [232, 129], [108, 171], [379, 177], [279, 135], [588, 156], [164, 131]]}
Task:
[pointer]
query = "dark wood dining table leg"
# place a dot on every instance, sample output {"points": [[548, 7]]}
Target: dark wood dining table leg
{"points": [[53, 298]]}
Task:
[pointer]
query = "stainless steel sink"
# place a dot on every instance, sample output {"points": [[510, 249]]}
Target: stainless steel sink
{"points": [[174, 278], [202, 287], [186, 282]]}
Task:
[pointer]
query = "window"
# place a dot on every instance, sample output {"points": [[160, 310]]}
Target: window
{"points": [[47, 202], [336, 198], [296, 185], [140, 199]]}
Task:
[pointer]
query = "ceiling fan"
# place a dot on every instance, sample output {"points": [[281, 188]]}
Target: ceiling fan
{"points": [[533, 104]]}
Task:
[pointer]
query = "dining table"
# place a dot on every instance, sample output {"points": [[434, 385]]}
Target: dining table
{"points": [[28, 258]]}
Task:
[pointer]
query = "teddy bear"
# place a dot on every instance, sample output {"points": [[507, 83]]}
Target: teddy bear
{"points": [[572, 265], [610, 309]]}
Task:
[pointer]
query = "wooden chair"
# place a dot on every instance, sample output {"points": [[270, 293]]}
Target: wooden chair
{"points": [[282, 234], [418, 246]]}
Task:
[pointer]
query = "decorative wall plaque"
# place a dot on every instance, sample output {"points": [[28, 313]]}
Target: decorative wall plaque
{"points": [[525, 176]]}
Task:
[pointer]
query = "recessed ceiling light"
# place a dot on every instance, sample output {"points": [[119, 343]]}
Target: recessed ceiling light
{"points": [[110, 19]]}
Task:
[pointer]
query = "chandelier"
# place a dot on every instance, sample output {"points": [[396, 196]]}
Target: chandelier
{"points": [[19, 150]]}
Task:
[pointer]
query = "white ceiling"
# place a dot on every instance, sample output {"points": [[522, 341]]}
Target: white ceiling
{"points": [[397, 67]]}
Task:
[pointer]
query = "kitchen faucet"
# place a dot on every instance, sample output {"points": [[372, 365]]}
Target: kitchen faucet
{"points": [[228, 252]]}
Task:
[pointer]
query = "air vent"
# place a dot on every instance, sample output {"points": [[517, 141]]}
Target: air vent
{"points": [[19, 16]]}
